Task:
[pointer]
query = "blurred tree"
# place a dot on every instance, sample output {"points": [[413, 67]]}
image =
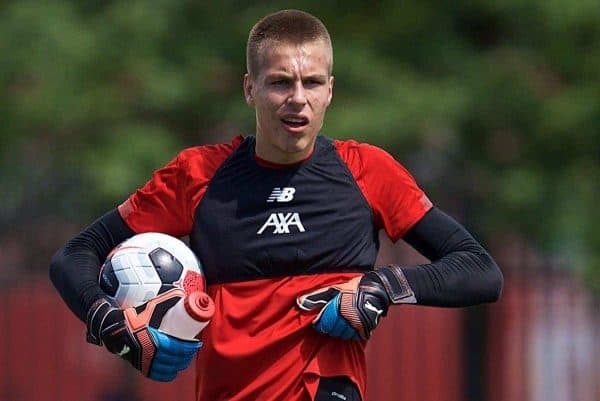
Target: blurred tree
{"points": [[492, 103]]}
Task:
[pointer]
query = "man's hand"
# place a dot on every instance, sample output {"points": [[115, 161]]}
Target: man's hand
{"points": [[353, 309], [129, 334]]}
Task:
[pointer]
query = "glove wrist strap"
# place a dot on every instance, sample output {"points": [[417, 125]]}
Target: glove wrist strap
{"points": [[96, 316], [395, 284]]}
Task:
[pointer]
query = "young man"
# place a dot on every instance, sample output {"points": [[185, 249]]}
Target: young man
{"points": [[286, 225]]}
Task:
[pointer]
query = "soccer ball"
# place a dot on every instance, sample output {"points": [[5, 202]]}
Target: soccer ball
{"points": [[149, 264]]}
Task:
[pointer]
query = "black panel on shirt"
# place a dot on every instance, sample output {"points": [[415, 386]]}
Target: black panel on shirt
{"points": [[339, 234]]}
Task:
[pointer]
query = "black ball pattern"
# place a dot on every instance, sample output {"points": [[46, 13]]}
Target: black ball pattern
{"points": [[108, 279], [167, 266]]}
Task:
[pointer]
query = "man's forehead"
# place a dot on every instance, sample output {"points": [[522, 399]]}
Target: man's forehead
{"points": [[285, 57]]}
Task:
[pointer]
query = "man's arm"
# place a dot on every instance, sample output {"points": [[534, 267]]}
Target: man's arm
{"points": [[75, 267], [74, 272], [461, 273]]}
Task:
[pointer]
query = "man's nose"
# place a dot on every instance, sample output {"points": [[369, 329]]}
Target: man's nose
{"points": [[298, 95]]}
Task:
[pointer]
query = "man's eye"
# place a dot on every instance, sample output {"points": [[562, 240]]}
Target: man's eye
{"points": [[279, 82]]}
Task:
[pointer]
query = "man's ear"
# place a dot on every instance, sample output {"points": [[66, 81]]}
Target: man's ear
{"points": [[248, 86], [331, 80]]}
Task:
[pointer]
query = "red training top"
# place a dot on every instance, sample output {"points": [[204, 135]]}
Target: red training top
{"points": [[266, 234]]}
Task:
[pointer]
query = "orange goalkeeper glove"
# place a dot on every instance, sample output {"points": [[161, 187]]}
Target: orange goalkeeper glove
{"points": [[129, 334], [352, 310]]}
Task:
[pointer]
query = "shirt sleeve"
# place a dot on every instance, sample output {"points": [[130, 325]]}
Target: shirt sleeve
{"points": [[160, 205], [167, 202], [393, 194]]}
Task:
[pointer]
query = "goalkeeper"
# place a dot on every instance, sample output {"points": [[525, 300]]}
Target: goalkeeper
{"points": [[286, 225]]}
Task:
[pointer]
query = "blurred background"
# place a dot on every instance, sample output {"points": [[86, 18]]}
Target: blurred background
{"points": [[493, 106]]}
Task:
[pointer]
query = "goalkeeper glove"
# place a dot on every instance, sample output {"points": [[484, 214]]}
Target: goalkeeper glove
{"points": [[127, 333], [352, 310]]}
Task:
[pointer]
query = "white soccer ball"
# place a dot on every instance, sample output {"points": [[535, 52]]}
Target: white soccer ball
{"points": [[149, 264]]}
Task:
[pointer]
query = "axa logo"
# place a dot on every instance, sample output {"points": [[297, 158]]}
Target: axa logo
{"points": [[282, 222], [285, 194]]}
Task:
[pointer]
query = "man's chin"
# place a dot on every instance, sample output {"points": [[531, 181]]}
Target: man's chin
{"points": [[298, 142], [298, 147]]}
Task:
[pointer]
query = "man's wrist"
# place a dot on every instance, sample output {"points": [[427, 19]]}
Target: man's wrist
{"points": [[97, 318], [396, 285]]}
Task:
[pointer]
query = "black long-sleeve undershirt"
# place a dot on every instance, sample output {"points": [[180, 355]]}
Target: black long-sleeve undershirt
{"points": [[461, 272], [75, 267]]}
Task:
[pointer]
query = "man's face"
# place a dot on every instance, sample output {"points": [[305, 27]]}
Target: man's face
{"points": [[290, 92]]}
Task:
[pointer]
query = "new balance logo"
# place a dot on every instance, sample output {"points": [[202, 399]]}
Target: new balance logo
{"points": [[281, 223], [284, 194]]}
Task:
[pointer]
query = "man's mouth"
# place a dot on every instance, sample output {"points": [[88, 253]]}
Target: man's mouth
{"points": [[295, 123]]}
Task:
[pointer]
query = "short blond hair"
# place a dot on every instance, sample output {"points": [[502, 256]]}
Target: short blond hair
{"points": [[285, 26]]}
